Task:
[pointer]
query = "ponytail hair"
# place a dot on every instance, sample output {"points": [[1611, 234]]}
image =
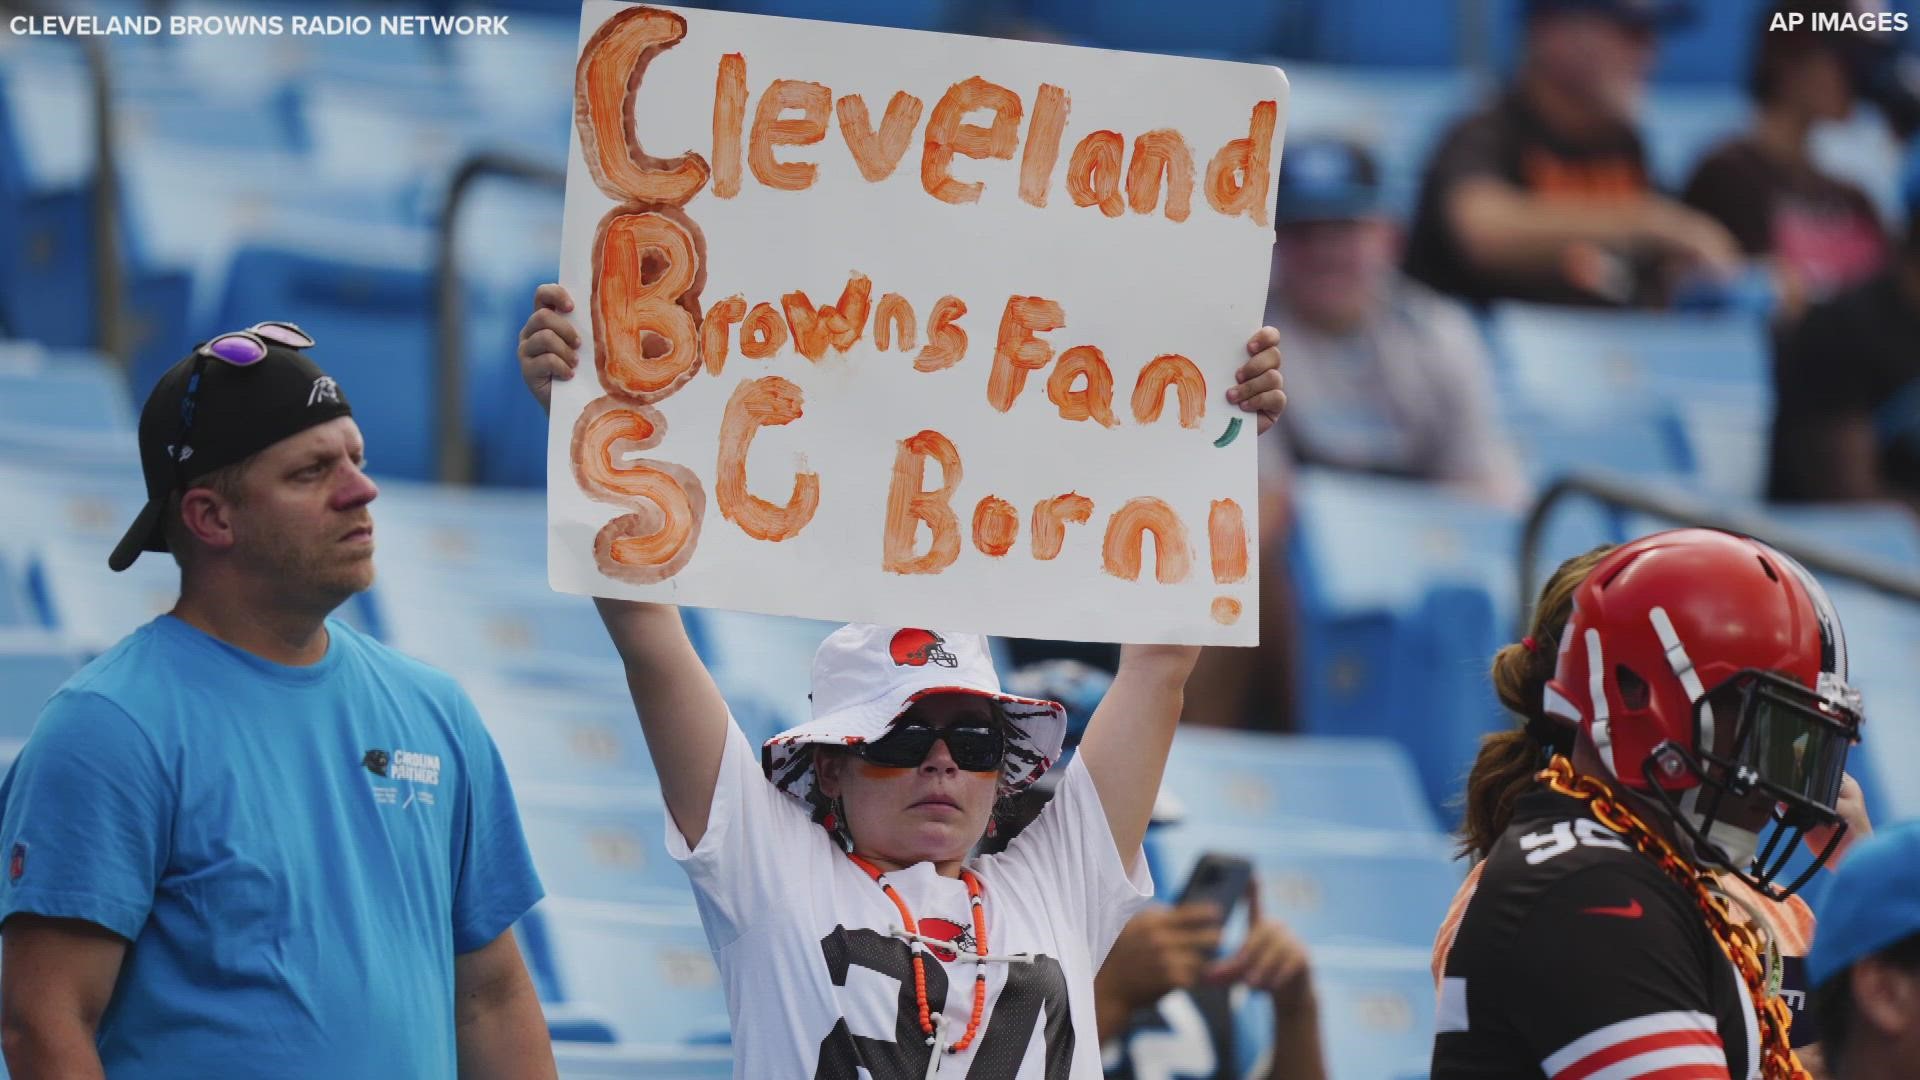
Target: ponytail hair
{"points": [[1508, 760]]}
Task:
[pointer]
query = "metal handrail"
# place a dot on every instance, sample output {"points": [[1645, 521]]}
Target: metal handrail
{"points": [[1634, 494], [108, 279], [455, 449]]}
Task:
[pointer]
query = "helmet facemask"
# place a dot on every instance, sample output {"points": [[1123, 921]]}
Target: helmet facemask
{"points": [[1789, 744]]}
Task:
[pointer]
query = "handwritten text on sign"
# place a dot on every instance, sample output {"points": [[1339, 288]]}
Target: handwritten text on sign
{"points": [[995, 306]]}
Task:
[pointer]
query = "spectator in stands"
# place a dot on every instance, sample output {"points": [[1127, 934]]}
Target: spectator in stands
{"points": [[1866, 963], [847, 842], [1394, 377], [1510, 761], [249, 839], [1397, 382], [1163, 982], [1174, 952], [1847, 388], [1545, 194], [1820, 232]]}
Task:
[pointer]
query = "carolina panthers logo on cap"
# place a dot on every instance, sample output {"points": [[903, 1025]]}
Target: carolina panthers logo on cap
{"points": [[918, 648], [324, 391]]}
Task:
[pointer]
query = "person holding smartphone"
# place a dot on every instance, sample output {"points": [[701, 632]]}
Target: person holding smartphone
{"points": [[853, 928]]}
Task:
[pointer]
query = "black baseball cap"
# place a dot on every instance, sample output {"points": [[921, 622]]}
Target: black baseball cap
{"points": [[1326, 178], [238, 412], [1645, 14]]}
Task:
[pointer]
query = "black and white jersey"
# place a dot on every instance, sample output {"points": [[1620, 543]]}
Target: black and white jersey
{"points": [[1579, 959]]}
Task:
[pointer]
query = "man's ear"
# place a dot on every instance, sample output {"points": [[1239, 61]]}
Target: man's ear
{"points": [[827, 769], [207, 517]]}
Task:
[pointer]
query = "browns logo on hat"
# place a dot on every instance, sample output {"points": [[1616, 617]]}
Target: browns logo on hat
{"points": [[229, 399], [865, 676]]}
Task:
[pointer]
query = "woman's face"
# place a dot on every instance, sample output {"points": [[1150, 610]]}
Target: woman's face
{"points": [[935, 812]]}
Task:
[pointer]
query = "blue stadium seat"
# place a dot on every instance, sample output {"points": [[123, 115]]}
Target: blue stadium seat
{"points": [[1376, 1010], [66, 390], [1649, 442], [906, 14], [32, 666], [1256, 780], [92, 606], [507, 429], [1384, 33], [626, 1061], [373, 321], [1398, 113], [598, 844], [1330, 888], [1682, 124], [1226, 28], [558, 737], [1713, 369], [511, 629], [763, 664], [463, 533], [1367, 542], [1877, 530], [646, 969], [1573, 360], [17, 610]]}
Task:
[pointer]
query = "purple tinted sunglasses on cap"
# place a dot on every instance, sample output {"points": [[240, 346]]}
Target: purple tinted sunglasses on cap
{"points": [[240, 348]]}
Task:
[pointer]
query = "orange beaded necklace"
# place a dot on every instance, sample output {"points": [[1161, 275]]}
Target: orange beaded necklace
{"points": [[919, 953]]}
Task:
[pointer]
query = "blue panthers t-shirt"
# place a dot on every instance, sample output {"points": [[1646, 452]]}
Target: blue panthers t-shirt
{"points": [[296, 854]]}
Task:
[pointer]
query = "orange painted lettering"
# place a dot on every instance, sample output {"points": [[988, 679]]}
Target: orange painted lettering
{"points": [[1050, 518], [1227, 537], [878, 153], [1237, 176], [1121, 552], [729, 114], [1150, 392], [1050, 109], [769, 401], [763, 334], [946, 340], [909, 504], [1017, 351], [770, 129], [1091, 401], [715, 328], [947, 136], [646, 266], [839, 325], [1156, 154], [655, 540], [893, 315], [996, 525], [605, 83], [1093, 173]]}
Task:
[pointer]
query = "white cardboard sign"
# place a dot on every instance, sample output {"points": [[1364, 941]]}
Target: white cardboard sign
{"points": [[911, 328]]}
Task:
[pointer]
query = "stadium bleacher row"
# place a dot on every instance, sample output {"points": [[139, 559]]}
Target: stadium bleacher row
{"points": [[305, 181]]}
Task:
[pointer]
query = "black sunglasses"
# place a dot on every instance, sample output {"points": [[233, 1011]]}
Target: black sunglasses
{"points": [[241, 348], [973, 747]]}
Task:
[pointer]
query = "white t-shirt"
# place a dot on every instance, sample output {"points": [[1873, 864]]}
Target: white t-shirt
{"points": [[819, 989]]}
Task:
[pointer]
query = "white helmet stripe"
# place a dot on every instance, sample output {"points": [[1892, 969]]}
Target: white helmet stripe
{"points": [[1683, 669], [1597, 691]]}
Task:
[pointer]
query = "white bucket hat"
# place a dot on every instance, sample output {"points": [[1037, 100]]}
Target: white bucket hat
{"points": [[865, 676]]}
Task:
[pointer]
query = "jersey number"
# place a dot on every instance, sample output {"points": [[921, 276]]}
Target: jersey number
{"points": [[1565, 836], [1030, 988]]}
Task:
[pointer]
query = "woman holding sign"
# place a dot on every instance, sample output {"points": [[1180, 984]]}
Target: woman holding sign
{"points": [[833, 868]]}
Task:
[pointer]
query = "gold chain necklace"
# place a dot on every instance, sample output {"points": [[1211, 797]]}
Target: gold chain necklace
{"points": [[1737, 940]]}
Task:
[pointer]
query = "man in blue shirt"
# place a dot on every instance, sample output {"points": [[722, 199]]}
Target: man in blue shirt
{"points": [[249, 840]]}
